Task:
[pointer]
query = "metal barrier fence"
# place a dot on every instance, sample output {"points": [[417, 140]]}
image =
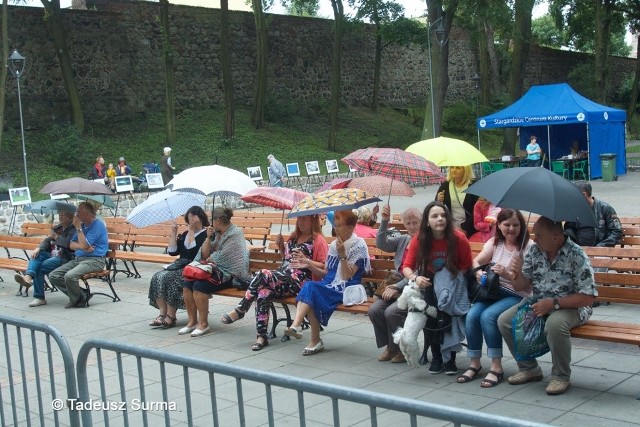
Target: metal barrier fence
{"points": [[145, 393], [33, 380]]}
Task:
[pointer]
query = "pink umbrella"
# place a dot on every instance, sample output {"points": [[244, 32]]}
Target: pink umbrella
{"points": [[334, 184], [275, 197], [374, 184]]}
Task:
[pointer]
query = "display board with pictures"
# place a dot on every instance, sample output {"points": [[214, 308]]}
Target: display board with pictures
{"points": [[124, 183], [312, 168], [154, 180], [293, 169], [332, 166], [19, 196], [255, 173]]}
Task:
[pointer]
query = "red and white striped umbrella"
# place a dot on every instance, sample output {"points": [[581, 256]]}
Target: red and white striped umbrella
{"points": [[395, 164], [274, 197], [374, 184]]}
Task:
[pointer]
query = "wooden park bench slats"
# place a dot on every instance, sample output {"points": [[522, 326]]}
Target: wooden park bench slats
{"points": [[41, 229], [622, 333]]}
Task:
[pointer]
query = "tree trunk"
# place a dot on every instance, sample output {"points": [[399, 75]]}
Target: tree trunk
{"points": [[602, 24], [170, 78], [439, 62], [3, 76], [227, 79], [262, 37], [334, 104], [519, 56], [59, 35], [494, 65]]}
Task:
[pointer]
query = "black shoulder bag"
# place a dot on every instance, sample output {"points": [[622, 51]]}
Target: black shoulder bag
{"points": [[488, 291]]}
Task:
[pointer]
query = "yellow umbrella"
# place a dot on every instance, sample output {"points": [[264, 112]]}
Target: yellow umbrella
{"points": [[447, 151]]}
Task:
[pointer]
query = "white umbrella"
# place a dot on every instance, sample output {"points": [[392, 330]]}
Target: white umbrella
{"points": [[164, 206], [212, 180]]}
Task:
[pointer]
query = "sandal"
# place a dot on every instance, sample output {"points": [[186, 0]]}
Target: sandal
{"points": [[293, 332], [259, 345], [227, 319], [466, 378], [491, 383], [157, 321], [167, 325]]}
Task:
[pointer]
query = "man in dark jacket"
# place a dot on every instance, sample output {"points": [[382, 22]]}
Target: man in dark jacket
{"points": [[608, 231]]}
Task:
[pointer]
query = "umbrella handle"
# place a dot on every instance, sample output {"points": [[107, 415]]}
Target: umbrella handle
{"points": [[522, 243]]}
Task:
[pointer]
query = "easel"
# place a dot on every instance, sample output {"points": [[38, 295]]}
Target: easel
{"points": [[295, 182], [315, 178], [126, 193], [12, 222]]}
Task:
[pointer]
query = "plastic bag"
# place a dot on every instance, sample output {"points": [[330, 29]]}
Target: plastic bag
{"points": [[529, 338], [353, 295]]}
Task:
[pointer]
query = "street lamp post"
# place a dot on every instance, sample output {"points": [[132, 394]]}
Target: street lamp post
{"points": [[476, 80], [441, 38], [16, 65]]}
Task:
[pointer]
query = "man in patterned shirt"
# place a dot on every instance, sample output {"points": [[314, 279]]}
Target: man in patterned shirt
{"points": [[560, 276]]}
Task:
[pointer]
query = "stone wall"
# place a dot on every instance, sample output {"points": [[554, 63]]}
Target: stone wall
{"points": [[117, 58]]}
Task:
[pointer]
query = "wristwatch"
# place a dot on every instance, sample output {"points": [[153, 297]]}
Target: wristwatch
{"points": [[556, 304]]}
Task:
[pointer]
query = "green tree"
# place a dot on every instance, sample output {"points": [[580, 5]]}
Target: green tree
{"points": [[631, 10], [58, 33], [591, 26], [519, 56], [383, 15], [438, 14], [169, 70], [547, 33], [227, 78]]}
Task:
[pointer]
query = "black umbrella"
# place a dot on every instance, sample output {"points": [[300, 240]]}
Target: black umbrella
{"points": [[535, 190]]}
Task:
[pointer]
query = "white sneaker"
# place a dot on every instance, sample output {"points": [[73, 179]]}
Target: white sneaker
{"points": [[38, 302]]}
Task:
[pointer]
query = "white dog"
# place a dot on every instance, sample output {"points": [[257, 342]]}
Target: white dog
{"points": [[407, 337]]}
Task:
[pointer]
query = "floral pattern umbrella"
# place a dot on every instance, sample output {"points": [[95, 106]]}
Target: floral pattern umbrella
{"points": [[332, 200], [395, 164]]}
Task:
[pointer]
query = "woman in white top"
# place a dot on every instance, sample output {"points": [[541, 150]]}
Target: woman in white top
{"points": [[511, 236]]}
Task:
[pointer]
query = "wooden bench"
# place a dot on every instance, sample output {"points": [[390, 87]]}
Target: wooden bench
{"points": [[39, 229], [380, 269], [104, 275], [618, 282]]}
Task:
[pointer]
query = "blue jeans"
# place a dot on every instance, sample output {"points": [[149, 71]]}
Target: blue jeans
{"points": [[482, 320], [43, 264]]}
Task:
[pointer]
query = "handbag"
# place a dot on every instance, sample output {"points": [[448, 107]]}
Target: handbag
{"points": [[392, 278], [487, 291], [203, 271], [529, 338], [178, 264]]}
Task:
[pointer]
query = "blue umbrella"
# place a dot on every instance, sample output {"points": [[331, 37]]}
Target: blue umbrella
{"points": [[49, 206], [102, 199], [164, 206]]}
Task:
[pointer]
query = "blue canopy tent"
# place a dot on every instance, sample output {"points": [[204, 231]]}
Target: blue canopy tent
{"points": [[557, 115]]}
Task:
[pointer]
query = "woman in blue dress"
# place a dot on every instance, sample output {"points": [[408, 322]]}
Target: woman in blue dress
{"points": [[347, 261]]}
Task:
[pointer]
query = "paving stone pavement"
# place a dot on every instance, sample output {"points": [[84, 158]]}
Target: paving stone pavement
{"points": [[605, 377]]}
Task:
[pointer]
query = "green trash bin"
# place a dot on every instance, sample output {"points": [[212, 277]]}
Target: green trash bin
{"points": [[608, 163]]}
